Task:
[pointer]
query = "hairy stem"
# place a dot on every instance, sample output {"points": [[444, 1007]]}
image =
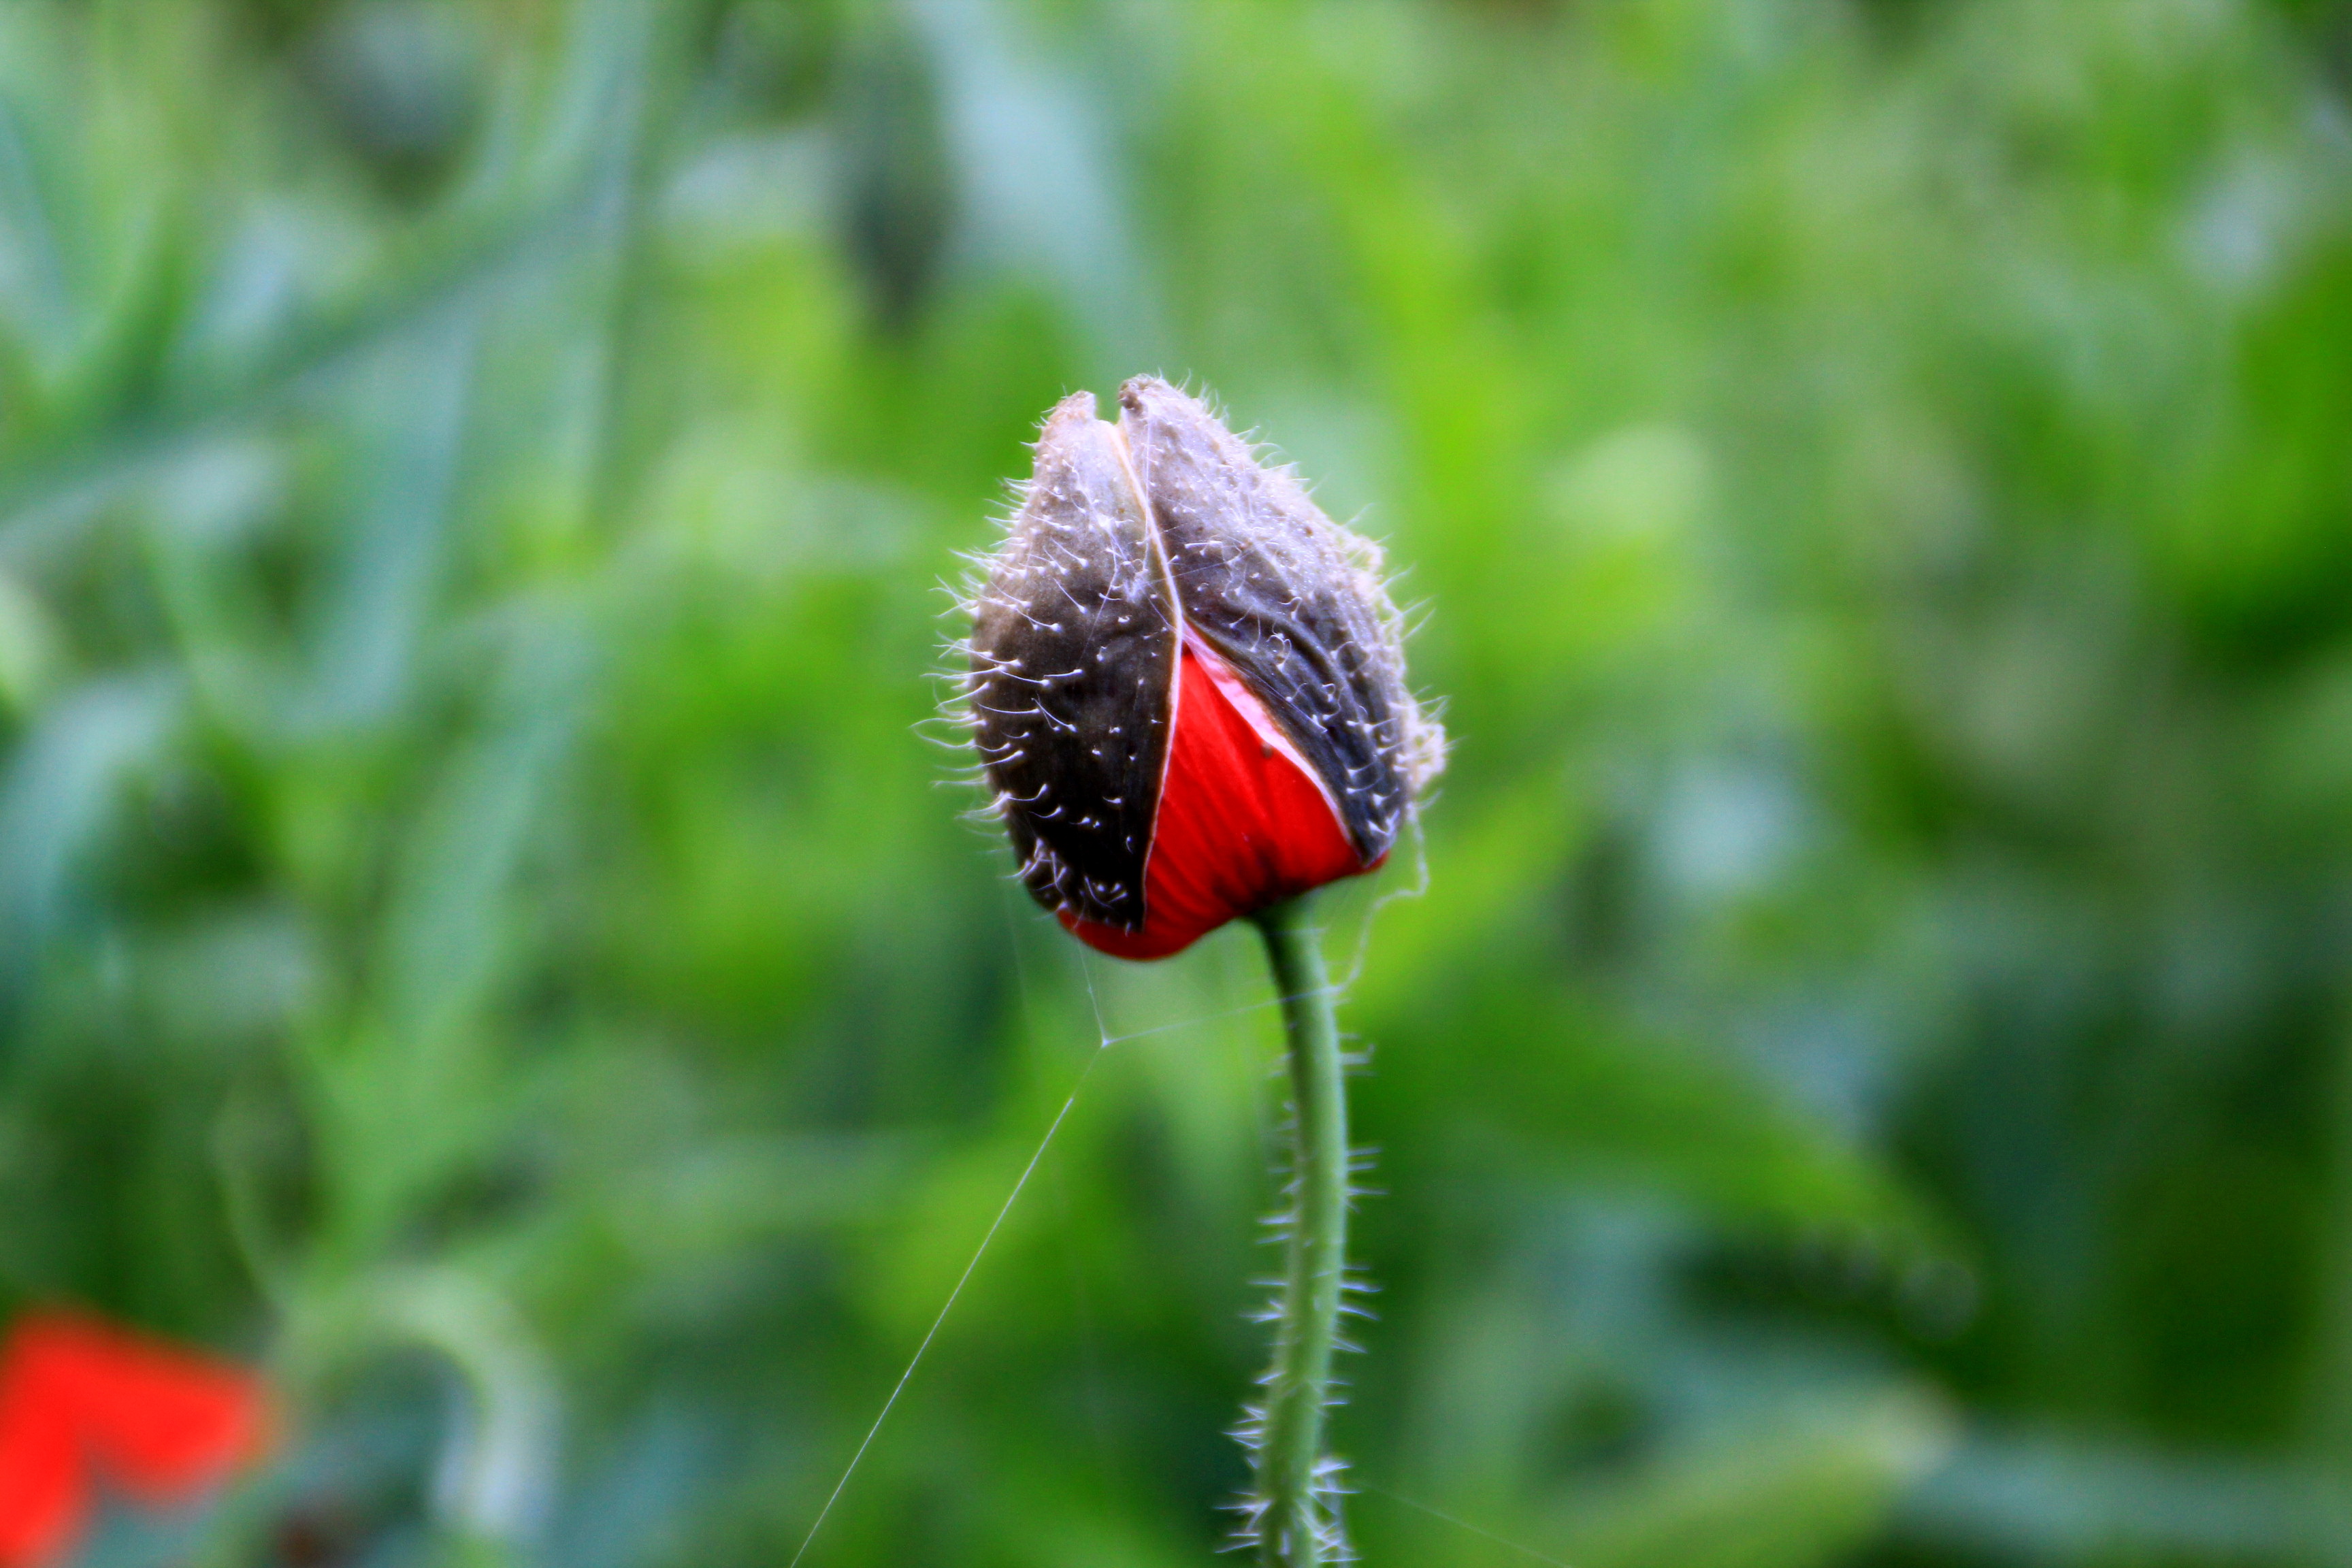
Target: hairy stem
{"points": [[1300, 1527]]}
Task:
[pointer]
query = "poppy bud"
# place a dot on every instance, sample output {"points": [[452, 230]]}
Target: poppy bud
{"points": [[1186, 682]]}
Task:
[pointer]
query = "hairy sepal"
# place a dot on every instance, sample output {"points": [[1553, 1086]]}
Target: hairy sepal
{"points": [[1073, 659]]}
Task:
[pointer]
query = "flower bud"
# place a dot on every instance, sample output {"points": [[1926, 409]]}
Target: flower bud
{"points": [[1186, 683]]}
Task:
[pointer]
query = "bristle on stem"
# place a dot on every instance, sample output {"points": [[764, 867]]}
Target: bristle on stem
{"points": [[1293, 1518]]}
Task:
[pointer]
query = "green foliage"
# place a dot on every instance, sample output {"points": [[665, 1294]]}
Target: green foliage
{"points": [[481, 932]]}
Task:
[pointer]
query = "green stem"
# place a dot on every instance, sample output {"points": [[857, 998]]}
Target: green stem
{"points": [[1299, 1528]]}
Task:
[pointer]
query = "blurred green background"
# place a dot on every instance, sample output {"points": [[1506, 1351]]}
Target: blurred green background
{"points": [[486, 929]]}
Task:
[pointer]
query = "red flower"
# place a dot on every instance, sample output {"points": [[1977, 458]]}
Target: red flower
{"points": [[78, 1395]]}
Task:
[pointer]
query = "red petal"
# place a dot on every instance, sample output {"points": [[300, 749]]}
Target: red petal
{"points": [[41, 1470], [42, 1496], [1242, 824], [163, 1423]]}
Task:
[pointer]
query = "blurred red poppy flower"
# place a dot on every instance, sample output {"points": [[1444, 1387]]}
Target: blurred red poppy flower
{"points": [[81, 1400]]}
